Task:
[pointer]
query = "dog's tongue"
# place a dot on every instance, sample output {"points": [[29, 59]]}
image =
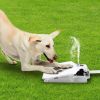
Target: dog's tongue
{"points": [[51, 61]]}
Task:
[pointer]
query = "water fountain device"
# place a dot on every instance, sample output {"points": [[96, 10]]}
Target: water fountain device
{"points": [[79, 73], [76, 74]]}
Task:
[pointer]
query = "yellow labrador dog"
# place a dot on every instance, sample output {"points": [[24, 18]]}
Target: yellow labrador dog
{"points": [[27, 48]]}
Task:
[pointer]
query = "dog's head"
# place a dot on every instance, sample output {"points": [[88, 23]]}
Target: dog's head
{"points": [[44, 44]]}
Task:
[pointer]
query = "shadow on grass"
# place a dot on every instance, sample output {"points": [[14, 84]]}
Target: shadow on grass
{"points": [[16, 69]]}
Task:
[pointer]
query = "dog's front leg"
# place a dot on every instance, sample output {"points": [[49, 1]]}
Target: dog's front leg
{"points": [[28, 67], [54, 64], [46, 63], [38, 61], [61, 65], [25, 59]]}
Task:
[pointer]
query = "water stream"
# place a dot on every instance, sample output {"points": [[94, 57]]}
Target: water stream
{"points": [[75, 50]]}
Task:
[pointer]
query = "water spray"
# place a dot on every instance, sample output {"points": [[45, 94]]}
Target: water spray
{"points": [[75, 50]]}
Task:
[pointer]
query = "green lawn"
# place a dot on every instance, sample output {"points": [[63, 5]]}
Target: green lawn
{"points": [[79, 18]]}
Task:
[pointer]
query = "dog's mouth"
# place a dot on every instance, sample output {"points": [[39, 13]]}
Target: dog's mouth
{"points": [[50, 60]]}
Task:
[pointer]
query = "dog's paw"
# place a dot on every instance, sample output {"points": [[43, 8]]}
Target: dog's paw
{"points": [[63, 66], [58, 65], [66, 66], [52, 70]]}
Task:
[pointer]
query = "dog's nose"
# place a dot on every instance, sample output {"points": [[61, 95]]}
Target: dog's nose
{"points": [[55, 57]]}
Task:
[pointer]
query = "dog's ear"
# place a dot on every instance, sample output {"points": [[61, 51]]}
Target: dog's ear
{"points": [[33, 39], [54, 34]]}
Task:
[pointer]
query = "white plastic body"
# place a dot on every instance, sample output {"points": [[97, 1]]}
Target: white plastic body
{"points": [[94, 71], [68, 75]]}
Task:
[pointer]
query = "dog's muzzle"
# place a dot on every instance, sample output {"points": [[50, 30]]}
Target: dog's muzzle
{"points": [[50, 60]]}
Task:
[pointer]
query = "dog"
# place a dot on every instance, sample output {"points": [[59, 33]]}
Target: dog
{"points": [[18, 45]]}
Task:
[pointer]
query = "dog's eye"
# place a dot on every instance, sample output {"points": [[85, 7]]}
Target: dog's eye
{"points": [[48, 46]]}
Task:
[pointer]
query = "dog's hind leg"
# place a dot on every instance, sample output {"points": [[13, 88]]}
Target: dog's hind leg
{"points": [[10, 61]]}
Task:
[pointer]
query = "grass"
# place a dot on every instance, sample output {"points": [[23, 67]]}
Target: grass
{"points": [[79, 18]]}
